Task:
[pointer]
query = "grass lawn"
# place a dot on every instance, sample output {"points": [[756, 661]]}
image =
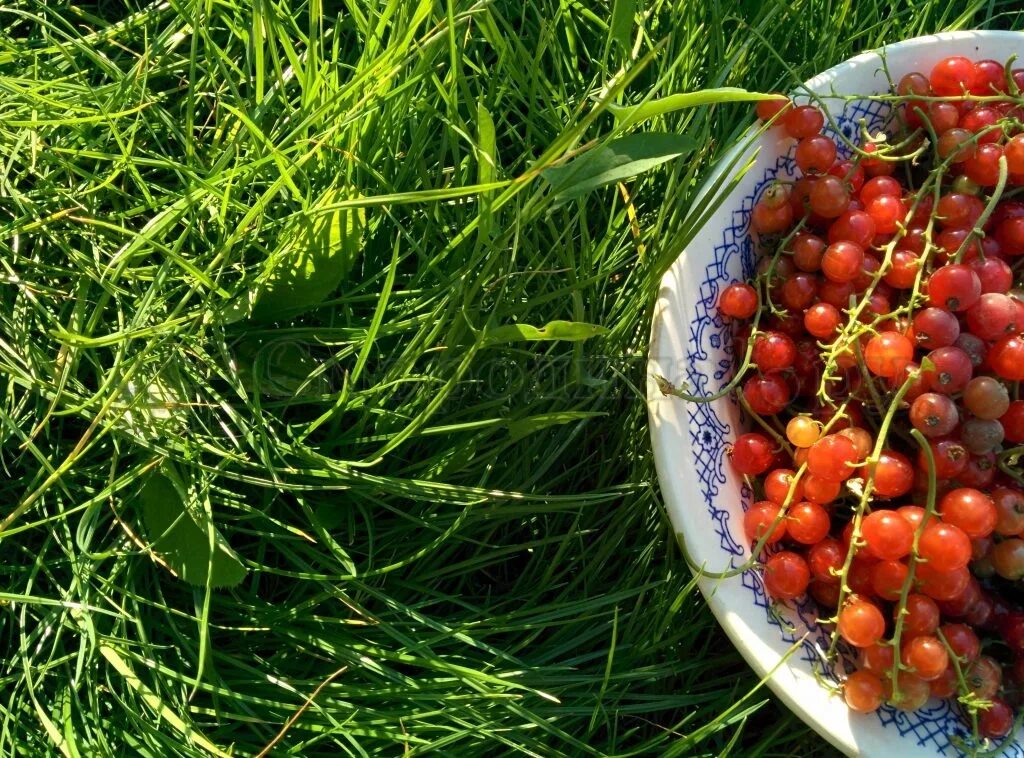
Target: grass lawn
{"points": [[402, 521]]}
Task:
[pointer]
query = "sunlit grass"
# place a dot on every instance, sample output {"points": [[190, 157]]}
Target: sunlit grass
{"points": [[457, 546]]}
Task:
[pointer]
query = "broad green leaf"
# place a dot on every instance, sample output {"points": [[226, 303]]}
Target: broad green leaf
{"points": [[620, 159], [486, 168], [278, 368], [526, 426], [569, 331], [317, 251], [180, 536], [630, 115], [622, 22]]}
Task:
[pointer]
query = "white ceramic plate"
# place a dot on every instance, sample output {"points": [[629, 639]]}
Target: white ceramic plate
{"points": [[705, 499]]}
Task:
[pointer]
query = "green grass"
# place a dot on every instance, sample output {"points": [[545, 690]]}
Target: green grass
{"points": [[454, 544]]}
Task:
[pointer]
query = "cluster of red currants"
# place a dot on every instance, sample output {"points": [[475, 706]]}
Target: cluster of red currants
{"points": [[882, 344]]}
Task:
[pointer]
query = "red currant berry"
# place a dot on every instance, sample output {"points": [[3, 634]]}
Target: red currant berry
{"points": [[887, 211], [842, 261], [863, 692], [888, 535], [934, 415], [853, 226], [766, 220], [954, 286], [995, 274], [1006, 357], [904, 267], [769, 109], [826, 560], [956, 145], [950, 372], [807, 251], [935, 327], [822, 321], [760, 519], [893, 475], [786, 575], [861, 623], [996, 721], [971, 510], [803, 121], [828, 197], [887, 578], [767, 395], [887, 353], [738, 301], [807, 523], [816, 153], [989, 78], [945, 546], [832, 458], [752, 454], [952, 76], [773, 351]]}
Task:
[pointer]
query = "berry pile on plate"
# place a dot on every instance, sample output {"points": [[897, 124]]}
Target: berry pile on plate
{"points": [[880, 355]]}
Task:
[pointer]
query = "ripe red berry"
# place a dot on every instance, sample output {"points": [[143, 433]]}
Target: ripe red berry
{"points": [[807, 523], [887, 211], [983, 167], [1015, 154], [995, 274], [1006, 357], [829, 197], [944, 546], [973, 511], [807, 251], [842, 261], [989, 78], [773, 351], [826, 559], [803, 121], [934, 415], [863, 692], [768, 220], [832, 458], [786, 575], [995, 721], [956, 209], [887, 353], [954, 286], [822, 320], [935, 327], [926, 656], [904, 267], [816, 153], [888, 535], [861, 623], [942, 585], [777, 485], [952, 76], [768, 109], [760, 519], [1013, 421], [963, 641], [956, 145], [893, 475], [738, 301], [853, 226], [887, 579], [752, 453]]}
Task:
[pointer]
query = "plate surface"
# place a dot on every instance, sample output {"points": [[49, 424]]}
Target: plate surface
{"points": [[705, 499]]}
